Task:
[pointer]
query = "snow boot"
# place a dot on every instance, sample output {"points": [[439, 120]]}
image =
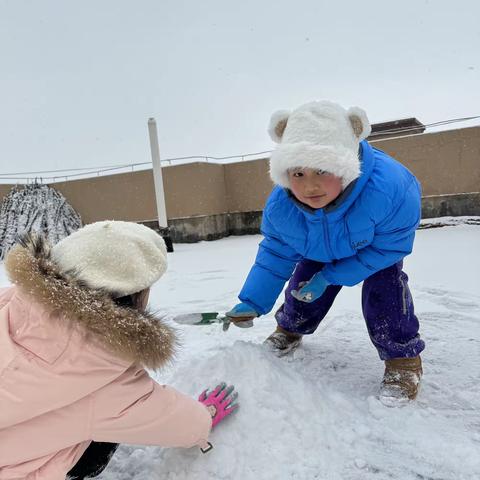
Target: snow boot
{"points": [[281, 342], [401, 380]]}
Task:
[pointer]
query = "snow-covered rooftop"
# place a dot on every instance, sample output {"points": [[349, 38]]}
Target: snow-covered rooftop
{"points": [[315, 415]]}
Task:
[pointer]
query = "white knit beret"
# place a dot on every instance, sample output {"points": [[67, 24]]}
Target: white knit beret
{"points": [[320, 135], [119, 257]]}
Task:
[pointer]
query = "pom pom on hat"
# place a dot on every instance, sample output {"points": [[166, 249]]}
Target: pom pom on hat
{"points": [[119, 257]]}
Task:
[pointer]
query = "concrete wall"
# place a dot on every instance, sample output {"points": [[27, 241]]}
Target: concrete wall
{"points": [[456, 205], [194, 189], [445, 162], [4, 189], [248, 185], [126, 196], [208, 200]]}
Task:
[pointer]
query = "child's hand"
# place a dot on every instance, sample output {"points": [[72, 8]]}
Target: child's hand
{"points": [[220, 403], [241, 315], [312, 290]]}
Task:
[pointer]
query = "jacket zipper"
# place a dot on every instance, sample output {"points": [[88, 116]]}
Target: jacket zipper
{"points": [[327, 240]]}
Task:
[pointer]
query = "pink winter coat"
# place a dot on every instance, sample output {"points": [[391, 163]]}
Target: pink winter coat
{"points": [[71, 371]]}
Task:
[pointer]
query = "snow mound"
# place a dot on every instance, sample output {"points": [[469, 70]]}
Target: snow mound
{"points": [[35, 208], [294, 424], [276, 402]]}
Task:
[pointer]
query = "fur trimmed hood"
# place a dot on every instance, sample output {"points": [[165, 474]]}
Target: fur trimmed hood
{"points": [[319, 135], [130, 334]]}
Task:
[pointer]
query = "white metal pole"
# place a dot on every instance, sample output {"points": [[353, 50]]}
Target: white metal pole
{"points": [[157, 174]]}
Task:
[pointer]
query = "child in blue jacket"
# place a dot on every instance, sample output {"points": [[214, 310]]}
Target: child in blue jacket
{"points": [[342, 212]]}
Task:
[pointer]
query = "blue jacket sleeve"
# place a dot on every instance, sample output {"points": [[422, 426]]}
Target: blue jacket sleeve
{"points": [[392, 240], [273, 266]]}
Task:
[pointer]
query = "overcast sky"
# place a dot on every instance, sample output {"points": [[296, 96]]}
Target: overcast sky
{"points": [[79, 79]]}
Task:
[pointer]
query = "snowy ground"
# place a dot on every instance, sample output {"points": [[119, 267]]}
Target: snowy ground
{"points": [[315, 416]]}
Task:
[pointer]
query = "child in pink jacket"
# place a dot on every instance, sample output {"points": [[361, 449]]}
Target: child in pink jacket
{"points": [[75, 340]]}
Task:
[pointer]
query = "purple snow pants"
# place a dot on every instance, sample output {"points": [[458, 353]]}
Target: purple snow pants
{"points": [[386, 303]]}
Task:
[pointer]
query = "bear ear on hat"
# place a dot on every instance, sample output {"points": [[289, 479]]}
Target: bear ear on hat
{"points": [[278, 123], [359, 121]]}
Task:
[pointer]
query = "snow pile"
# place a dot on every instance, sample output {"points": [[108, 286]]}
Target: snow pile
{"points": [[35, 208], [297, 421]]}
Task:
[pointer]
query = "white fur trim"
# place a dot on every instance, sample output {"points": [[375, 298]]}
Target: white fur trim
{"points": [[318, 135], [275, 119], [341, 162], [120, 257]]}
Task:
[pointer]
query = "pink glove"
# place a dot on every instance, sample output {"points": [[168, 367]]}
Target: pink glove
{"points": [[220, 403]]}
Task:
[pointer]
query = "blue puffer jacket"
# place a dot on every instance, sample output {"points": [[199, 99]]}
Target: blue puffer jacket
{"points": [[368, 228]]}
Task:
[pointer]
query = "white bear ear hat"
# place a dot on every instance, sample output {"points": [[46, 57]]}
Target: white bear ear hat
{"points": [[320, 135]]}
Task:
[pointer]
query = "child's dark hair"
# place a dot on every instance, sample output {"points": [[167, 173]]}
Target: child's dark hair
{"points": [[134, 300]]}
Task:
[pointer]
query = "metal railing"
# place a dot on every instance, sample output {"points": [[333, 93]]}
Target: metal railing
{"points": [[41, 176]]}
